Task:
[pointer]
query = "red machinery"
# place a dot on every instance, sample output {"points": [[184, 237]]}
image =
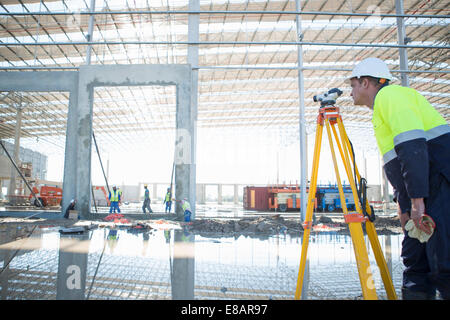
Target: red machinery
{"points": [[49, 196], [52, 196]]}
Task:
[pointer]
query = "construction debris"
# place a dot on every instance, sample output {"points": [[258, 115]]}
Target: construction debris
{"points": [[276, 224], [73, 230]]}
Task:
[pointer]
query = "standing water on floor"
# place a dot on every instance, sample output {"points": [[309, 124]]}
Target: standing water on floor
{"points": [[105, 263]]}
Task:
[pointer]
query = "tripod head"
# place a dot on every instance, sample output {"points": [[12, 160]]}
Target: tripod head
{"points": [[328, 98]]}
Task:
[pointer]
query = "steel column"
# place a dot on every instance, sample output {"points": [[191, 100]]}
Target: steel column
{"points": [[192, 59], [90, 33], [401, 41]]}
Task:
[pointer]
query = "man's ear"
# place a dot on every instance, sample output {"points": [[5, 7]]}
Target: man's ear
{"points": [[365, 83]]}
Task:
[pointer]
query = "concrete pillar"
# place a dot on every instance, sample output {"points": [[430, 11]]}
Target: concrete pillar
{"points": [[183, 275], [72, 266], [219, 194], [236, 194], [185, 146], [14, 174], [70, 153], [84, 142], [401, 35]]}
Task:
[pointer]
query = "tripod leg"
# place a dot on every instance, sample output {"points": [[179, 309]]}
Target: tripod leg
{"points": [[370, 229], [309, 211], [356, 232]]}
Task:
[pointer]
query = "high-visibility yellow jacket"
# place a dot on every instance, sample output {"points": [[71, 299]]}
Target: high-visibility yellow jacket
{"points": [[414, 140], [185, 205], [114, 196]]}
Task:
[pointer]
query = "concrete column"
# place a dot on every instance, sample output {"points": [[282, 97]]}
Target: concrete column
{"points": [[183, 276], [236, 194], [70, 154], [72, 266], [14, 174], [84, 142], [185, 147], [219, 194], [401, 36]]}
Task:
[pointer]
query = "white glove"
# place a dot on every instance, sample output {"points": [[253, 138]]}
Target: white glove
{"points": [[414, 232]]}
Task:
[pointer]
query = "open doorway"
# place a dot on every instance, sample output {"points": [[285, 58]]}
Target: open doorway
{"points": [[134, 129]]}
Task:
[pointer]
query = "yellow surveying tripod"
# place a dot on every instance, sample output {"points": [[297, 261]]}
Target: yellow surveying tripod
{"points": [[330, 116]]}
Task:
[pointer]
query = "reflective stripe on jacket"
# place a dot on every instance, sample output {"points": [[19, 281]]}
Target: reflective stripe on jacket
{"points": [[414, 140]]}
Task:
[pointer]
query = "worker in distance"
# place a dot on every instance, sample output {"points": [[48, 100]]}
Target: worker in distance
{"points": [[414, 140]]}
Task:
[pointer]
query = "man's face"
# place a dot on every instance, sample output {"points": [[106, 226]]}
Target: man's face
{"points": [[357, 92]]}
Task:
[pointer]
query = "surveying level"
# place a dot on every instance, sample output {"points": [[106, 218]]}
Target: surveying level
{"points": [[328, 98], [329, 116]]}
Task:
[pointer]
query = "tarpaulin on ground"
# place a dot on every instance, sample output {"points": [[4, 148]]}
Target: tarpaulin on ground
{"points": [[113, 217]]}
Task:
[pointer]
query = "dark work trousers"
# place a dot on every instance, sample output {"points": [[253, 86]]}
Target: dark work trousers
{"points": [[146, 205], [428, 264]]}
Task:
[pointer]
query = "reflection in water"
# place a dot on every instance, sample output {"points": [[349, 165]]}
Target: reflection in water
{"points": [[183, 275], [174, 264], [72, 266]]}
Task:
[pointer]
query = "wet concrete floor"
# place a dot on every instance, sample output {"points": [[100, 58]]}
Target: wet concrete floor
{"points": [[168, 262]]}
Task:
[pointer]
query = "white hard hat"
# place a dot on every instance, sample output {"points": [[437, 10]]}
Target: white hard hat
{"points": [[372, 67], [114, 186]]}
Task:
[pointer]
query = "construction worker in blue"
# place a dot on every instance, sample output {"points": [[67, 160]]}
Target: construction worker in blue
{"points": [[114, 199], [414, 140], [168, 200], [146, 204]]}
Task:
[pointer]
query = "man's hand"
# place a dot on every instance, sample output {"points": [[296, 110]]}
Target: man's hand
{"points": [[404, 217], [417, 212]]}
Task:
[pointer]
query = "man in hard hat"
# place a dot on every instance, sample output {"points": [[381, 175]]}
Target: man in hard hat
{"points": [[168, 200], [146, 204], [114, 199], [414, 140], [186, 206]]}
